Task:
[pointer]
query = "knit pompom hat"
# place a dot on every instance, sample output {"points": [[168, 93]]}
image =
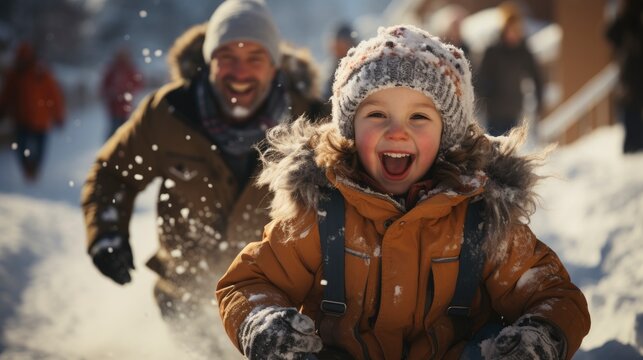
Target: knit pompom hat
{"points": [[242, 20], [404, 55]]}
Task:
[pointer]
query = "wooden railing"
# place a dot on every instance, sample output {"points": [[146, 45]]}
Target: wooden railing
{"points": [[590, 107]]}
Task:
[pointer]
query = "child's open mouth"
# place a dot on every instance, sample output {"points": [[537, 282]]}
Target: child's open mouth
{"points": [[396, 165]]}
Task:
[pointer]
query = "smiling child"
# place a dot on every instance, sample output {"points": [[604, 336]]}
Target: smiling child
{"points": [[405, 153]]}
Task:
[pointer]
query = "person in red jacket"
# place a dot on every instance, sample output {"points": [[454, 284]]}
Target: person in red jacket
{"points": [[32, 98], [120, 81]]}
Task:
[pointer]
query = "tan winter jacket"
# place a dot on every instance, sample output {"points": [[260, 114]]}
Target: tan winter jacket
{"points": [[204, 216], [400, 266]]}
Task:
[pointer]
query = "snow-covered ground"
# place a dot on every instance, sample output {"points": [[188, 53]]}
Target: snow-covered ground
{"points": [[55, 305], [592, 215]]}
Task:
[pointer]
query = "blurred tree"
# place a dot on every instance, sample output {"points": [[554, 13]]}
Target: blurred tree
{"points": [[151, 24], [80, 31], [53, 26], [5, 9]]}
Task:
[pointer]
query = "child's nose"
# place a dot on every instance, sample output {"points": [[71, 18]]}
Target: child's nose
{"points": [[396, 131]]}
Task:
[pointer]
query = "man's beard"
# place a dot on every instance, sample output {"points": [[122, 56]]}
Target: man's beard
{"points": [[239, 112]]}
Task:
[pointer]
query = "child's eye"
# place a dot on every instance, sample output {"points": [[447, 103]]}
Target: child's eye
{"points": [[419, 117], [376, 114]]}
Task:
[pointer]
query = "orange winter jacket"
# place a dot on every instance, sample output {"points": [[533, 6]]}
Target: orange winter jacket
{"points": [[31, 95], [400, 272]]}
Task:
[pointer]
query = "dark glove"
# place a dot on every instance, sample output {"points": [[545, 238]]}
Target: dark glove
{"points": [[528, 338], [112, 255], [276, 333]]}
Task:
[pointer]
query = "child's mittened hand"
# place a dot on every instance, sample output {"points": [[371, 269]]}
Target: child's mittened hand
{"points": [[278, 333], [525, 340]]}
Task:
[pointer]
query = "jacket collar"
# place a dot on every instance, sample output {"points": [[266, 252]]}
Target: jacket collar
{"points": [[378, 206]]}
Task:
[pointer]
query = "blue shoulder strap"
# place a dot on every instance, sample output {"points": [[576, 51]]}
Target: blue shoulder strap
{"points": [[331, 234], [471, 262]]}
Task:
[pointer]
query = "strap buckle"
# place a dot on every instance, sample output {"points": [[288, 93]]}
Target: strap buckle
{"points": [[334, 308]]}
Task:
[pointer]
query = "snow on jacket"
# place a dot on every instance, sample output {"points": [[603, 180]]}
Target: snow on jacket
{"points": [[31, 95], [401, 266], [204, 215]]}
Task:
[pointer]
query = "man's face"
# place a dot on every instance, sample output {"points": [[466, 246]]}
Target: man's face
{"points": [[241, 73]]}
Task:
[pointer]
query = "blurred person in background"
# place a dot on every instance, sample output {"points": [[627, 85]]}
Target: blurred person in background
{"points": [[197, 135], [120, 82], [626, 35], [345, 37], [31, 97], [504, 66]]}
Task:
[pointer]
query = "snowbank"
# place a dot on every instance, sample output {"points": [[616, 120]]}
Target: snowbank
{"points": [[591, 214]]}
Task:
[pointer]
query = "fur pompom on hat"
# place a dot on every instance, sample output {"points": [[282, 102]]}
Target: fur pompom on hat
{"points": [[404, 55], [242, 20]]}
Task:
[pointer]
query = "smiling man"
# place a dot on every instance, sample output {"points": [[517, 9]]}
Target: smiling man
{"points": [[196, 134], [242, 47]]}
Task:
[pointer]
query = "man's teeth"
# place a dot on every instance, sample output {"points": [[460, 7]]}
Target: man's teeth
{"points": [[396, 155], [240, 87]]}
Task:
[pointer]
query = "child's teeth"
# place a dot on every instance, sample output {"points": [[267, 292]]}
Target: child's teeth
{"points": [[394, 155]]}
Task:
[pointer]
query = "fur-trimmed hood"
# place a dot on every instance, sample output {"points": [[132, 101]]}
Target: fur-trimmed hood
{"points": [[295, 170], [185, 58]]}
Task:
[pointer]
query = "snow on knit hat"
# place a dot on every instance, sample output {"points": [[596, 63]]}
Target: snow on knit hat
{"points": [[404, 55], [241, 20]]}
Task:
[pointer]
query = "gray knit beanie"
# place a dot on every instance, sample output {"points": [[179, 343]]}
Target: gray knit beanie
{"points": [[241, 20], [404, 55]]}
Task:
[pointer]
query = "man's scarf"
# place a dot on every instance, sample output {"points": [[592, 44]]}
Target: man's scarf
{"points": [[238, 139]]}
